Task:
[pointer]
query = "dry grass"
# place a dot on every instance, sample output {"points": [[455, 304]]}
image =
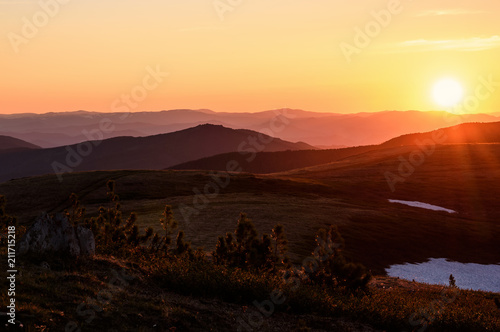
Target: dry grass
{"points": [[179, 294]]}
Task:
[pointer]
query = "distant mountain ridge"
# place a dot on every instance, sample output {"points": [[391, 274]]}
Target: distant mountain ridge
{"points": [[151, 152], [318, 129]]}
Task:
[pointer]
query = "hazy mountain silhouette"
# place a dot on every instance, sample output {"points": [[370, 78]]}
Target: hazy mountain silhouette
{"points": [[318, 129], [151, 152], [270, 162], [11, 143]]}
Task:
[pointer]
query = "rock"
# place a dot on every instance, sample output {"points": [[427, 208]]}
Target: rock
{"points": [[56, 234], [86, 241]]}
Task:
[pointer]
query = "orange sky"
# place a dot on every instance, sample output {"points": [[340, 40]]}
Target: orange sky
{"points": [[258, 55]]}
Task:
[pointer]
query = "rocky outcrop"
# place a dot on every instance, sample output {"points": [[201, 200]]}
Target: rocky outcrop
{"points": [[57, 235]]}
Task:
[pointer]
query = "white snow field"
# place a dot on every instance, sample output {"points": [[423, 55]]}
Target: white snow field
{"points": [[422, 205], [437, 271]]}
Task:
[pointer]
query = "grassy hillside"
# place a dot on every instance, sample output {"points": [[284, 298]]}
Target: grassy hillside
{"points": [[152, 294], [460, 134], [352, 193], [264, 162], [272, 162]]}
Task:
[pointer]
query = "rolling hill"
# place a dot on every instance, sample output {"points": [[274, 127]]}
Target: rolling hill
{"points": [[152, 152], [271, 162], [459, 134], [11, 143], [266, 162]]}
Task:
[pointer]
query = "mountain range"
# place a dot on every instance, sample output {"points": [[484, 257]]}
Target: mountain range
{"points": [[208, 147], [324, 130]]}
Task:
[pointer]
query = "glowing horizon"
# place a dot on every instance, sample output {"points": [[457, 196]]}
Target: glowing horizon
{"points": [[325, 56]]}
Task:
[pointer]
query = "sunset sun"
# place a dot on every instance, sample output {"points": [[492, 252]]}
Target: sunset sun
{"points": [[447, 92]]}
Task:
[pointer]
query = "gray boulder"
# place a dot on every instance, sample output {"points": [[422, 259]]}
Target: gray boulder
{"points": [[56, 234], [86, 241]]}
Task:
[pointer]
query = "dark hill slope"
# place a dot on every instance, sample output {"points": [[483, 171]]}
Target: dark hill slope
{"points": [[469, 133], [270, 162], [11, 143], [459, 134], [151, 152]]}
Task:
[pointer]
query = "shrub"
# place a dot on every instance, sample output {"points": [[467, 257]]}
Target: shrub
{"points": [[329, 266], [118, 237], [246, 250]]}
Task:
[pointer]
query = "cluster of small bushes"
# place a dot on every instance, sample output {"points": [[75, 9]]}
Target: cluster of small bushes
{"points": [[242, 249], [117, 236]]}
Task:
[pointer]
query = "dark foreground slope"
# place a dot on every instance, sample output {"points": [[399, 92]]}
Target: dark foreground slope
{"points": [[137, 291], [115, 294]]}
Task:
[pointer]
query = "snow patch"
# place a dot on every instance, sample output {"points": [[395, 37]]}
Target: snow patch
{"points": [[422, 205], [437, 271]]}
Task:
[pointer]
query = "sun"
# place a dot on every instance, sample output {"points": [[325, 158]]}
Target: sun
{"points": [[447, 92]]}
